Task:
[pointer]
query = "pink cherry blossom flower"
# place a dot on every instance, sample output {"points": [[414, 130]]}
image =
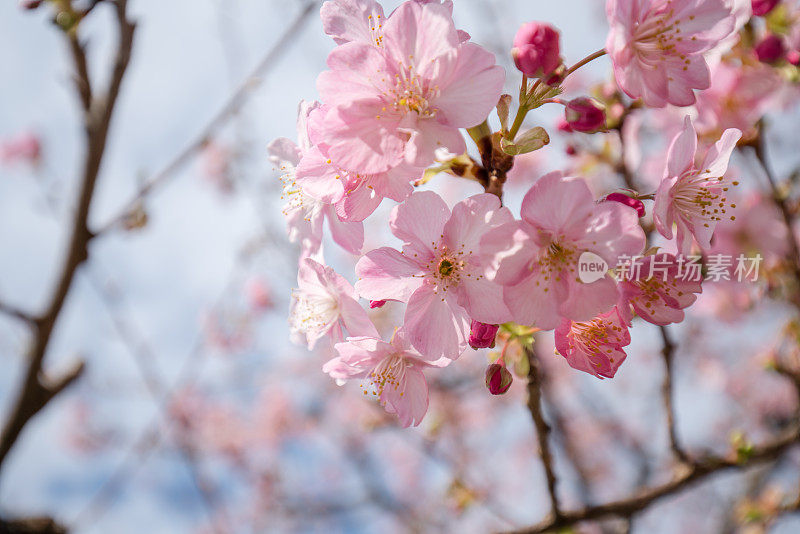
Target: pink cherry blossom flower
{"points": [[405, 99], [305, 214], [354, 195], [362, 21], [391, 371], [536, 259], [595, 346], [440, 272], [738, 97], [358, 21], [658, 288], [694, 198], [323, 304], [657, 46]]}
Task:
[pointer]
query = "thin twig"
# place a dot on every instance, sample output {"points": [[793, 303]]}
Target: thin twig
{"points": [[760, 150], [542, 429], [668, 353], [229, 110]]}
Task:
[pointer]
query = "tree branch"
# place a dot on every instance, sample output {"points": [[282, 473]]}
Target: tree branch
{"points": [[34, 394], [695, 473], [542, 429], [668, 353]]}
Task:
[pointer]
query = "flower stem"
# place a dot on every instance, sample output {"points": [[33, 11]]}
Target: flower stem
{"points": [[584, 61]]}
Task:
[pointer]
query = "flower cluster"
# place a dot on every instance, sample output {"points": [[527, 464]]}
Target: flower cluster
{"points": [[397, 95]]}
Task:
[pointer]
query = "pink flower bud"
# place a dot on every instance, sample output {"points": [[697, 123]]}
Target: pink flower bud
{"points": [[498, 379], [793, 57], [536, 49], [29, 4], [585, 115], [762, 7], [481, 335], [376, 304], [563, 126], [634, 203], [770, 49]]}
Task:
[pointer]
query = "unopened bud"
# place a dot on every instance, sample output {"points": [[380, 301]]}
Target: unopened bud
{"points": [[30, 4], [498, 379], [634, 203], [793, 57], [771, 49], [536, 49], [762, 7], [481, 335], [376, 304], [585, 115]]}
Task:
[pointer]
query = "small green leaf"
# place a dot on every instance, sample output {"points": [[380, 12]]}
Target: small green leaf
{"points": [[531, 140]]}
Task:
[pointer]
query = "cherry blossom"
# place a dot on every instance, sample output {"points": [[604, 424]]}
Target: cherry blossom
{"points": [[305, 214], [694, 198], [658, 289], [440, 271], [658, 46], [405, 99], [323, 304], [536, 259], [392, 372], [594, 346]]}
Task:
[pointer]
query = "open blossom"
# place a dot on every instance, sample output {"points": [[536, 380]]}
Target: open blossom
{"points": [[658, 288], [354, 195], [694, 198], [305, 214], [595, 346], [738, 97], [536, 259], [440, 272], [391, 371], [658, 46], [323, 304], [404, 99], [362, 20]]}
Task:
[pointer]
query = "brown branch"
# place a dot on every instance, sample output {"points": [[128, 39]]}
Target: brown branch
{"points": [[31, 525], [668, 352], [34, 394], [17, 314], [542, 428], [695, 473], [760, 150], [228, 110]]}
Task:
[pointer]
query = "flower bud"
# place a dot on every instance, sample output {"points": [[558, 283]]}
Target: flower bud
{"points": [[634, 203], [376, 304], [29, 4], [498, 379], [770, 49], [481, 335], [585, 115], [536, 49], [793, 57], [762, 7]]}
